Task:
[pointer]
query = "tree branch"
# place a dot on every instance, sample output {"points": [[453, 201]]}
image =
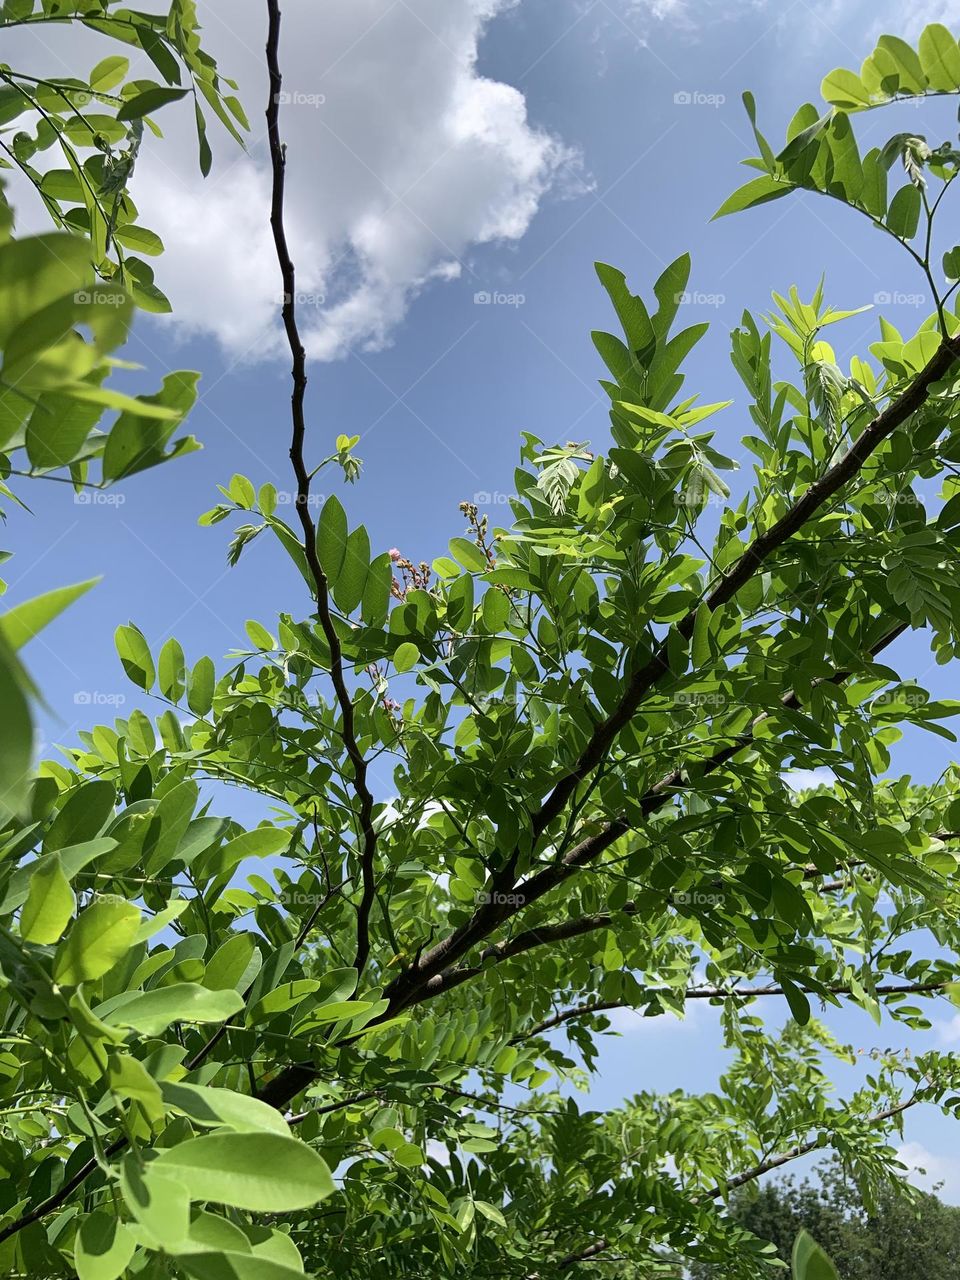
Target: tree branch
{"points": [[278, 162], [717, 993], [405, 990], [750, 1175], [754, 556]]}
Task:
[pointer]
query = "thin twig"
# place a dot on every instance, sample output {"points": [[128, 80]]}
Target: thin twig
{"points": [[278, 162]]}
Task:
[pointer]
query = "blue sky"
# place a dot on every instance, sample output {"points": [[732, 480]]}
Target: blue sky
{"points": [[438, 152]]}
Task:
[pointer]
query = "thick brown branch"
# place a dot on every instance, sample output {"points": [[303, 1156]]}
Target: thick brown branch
{"points": [[278, 163], [754, 556], [418, 983], [404, 989]]}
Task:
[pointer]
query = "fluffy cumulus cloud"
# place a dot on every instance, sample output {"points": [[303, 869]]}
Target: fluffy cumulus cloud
{"points": [[931, 1171], [402, 159], [818, 19]]}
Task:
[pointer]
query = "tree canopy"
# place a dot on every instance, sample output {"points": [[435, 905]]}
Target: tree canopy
{"points": [[342, 1042], [898, 1238]]}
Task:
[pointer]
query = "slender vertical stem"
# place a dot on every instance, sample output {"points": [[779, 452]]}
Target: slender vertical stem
{"points": [[278, 162]]}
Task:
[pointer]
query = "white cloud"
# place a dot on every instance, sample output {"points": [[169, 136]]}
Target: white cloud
{"points": [[806, 779], [908, 21], [691, 15], [819, 20], [402, 159], [948, 1029], [928, 1170]]}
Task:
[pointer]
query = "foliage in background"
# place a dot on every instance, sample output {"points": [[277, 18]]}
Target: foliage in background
{"points": [[67, 298], [898, 1238], [336, 1043]]}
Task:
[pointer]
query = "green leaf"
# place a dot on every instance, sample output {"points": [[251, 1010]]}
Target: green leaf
{"points": [[104, 1245], [129, 1078], [260, 637], [16, 740], [261, 842], [845, 90], [631, 312], [223, 1107], [809, 1260], [108, 73], [137, 441], [496, 610], [203, 146], [798, 1002], [460, 603], [139, 239], [940, 57], [101, 935], [409, 1156], [469, 555], [230, 963], [243, 493], [171, 669], [135, 655], [351, 580], [210, 1231], [490, 1211], [82, 818], [263, 1172], [151, 1012], [376, 592], [50, 905], [36, 273], [59, 427], [903, 216], [142, 104], [332, 538], [406, 656], [24, 621], [201, 687], [236, 1266], [157, 1200], [700, 644], [756, 191]]}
